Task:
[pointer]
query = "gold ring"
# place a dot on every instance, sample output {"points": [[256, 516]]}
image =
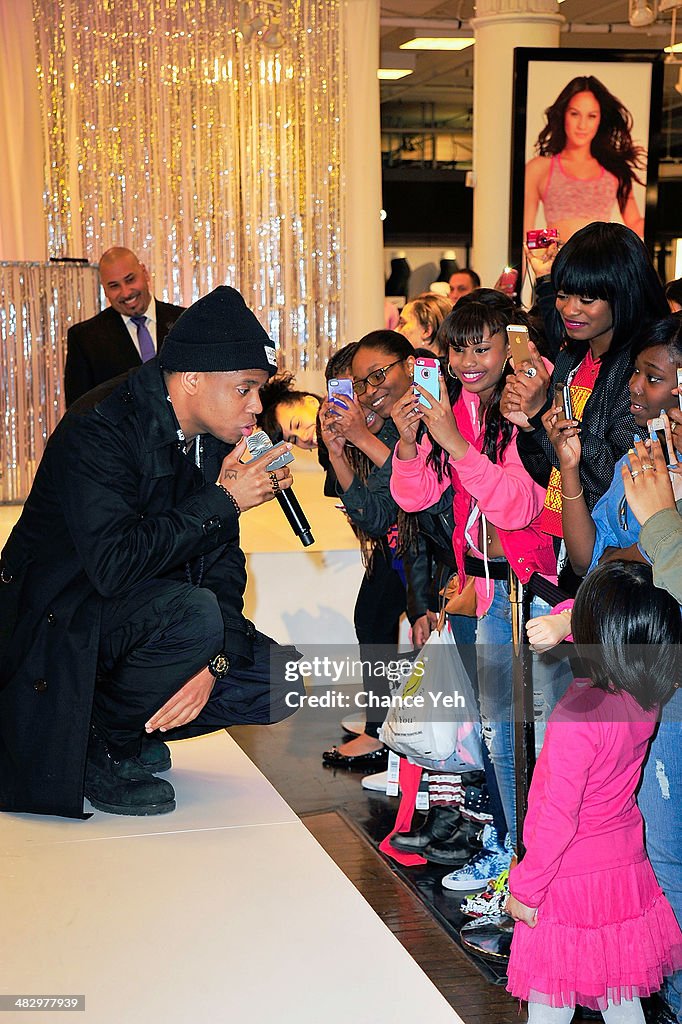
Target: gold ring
{"points": [[647, 466], [635, 472]]}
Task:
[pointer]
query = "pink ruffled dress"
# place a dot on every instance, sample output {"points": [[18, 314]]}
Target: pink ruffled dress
{"points": [[605, 931]]}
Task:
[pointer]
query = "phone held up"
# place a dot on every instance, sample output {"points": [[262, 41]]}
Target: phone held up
{"points": [[507, 281], [338, 390], [562, 399], [517, 336], [659, 429], [426, 375]]}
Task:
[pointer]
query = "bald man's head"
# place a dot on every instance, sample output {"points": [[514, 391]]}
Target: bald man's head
{"points": [[125, 281]]}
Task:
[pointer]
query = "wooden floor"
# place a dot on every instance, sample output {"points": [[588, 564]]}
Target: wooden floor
{"points": [[476, 1001]]}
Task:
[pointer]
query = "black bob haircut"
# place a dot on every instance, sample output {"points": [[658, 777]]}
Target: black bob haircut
{"points": [[611, 262], [628, 633]]}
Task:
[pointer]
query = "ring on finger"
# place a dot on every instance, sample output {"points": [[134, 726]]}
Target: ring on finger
{"points": [[531, 372], [647, 466], [635, 472]]}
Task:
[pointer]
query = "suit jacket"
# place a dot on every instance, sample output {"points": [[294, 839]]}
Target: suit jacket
{"points": [[101, 348]]}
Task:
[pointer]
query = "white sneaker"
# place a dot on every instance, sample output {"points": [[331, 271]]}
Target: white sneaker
{"points": [[376, 783], [354, 724]]}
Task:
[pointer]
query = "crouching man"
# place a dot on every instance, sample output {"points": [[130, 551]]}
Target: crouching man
{"points": [[121, 586]]}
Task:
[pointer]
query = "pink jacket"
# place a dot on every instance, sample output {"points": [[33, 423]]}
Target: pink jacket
{"points": [[582, 813], [505, 493]]}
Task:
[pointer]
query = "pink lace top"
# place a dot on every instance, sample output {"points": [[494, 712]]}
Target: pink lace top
{"points": [[565, 197]]}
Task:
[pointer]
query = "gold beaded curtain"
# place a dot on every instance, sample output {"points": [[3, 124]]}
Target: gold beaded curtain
{"points": [[206, 136]]}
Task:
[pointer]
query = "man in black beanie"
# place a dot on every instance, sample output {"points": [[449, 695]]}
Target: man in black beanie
{"points": [[121, 586]]}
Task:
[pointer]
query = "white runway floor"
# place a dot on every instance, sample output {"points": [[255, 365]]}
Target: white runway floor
{"points": [[226, 910]]}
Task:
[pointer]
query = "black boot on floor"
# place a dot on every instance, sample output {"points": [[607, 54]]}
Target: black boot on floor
{"points": [[155, 755], [125, 786], [439, 824], [458, 849]]}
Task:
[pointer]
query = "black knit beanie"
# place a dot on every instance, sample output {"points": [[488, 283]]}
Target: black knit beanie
{"points": [[218, 333]]}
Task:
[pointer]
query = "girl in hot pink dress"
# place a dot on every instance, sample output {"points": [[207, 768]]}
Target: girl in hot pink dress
{"points": [[594, 927]]}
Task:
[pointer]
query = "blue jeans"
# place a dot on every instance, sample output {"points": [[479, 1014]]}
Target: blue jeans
{"points": [[660, 801], [494, 660]]}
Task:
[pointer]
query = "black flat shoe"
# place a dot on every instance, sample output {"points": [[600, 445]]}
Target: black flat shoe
{"points": [[376, 759]]}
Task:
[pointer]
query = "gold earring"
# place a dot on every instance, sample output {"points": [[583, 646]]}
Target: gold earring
{"points": [[450, 373]]}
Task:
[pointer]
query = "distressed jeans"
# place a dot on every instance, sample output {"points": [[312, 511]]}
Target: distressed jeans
{"points": [[660, 801]]}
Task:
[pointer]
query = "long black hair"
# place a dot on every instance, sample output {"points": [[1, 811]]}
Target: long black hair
{"points": [[612, 145], [627, 632], [610, 262], [465, 325]]}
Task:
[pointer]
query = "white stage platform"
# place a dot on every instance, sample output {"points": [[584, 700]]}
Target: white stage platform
{"points": [[226, 910]]}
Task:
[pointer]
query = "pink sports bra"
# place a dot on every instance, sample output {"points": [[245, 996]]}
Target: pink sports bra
{"points": [[566, 198]]}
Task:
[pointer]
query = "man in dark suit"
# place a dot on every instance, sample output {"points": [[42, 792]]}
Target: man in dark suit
{"points": [[129, 332]]}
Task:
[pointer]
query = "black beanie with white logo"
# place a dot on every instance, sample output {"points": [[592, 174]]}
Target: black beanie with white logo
{"points": [[218, 333]]}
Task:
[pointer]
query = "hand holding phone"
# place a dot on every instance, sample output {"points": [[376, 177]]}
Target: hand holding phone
{"points": [[659, 430], [340, 392], [427, 376], [517, 336], [562, 399]]}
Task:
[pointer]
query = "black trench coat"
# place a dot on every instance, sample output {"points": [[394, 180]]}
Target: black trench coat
{"points": [[114, 504]]}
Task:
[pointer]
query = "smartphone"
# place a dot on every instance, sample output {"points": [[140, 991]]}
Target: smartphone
{"points": [[562, 399], [679, 384], [517, 336], [508, 280], [259, 443], [426, 374], [340, 389], [659, 429]]}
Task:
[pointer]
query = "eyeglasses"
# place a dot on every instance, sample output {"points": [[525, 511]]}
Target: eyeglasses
{"points": [[375, 378]]}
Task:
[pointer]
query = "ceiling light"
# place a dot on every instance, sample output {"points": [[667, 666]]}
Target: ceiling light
{"points": [[676, 48], [392, 74], [641, 13], [450, 42], [395, 65]]}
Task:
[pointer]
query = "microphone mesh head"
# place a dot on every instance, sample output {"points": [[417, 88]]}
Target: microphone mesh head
{"points": [[258, 443]]}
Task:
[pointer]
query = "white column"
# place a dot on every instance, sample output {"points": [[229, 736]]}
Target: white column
{"points": [[23, 234], [363, 257], [499, 27]]}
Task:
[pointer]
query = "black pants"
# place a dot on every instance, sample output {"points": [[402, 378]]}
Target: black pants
{"points": [[156, 638], [380, 602]]}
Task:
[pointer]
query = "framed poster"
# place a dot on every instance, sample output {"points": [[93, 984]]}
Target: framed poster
{"points": [[585, 141]]}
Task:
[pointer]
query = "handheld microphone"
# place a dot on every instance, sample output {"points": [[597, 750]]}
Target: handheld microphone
{"points": [[259, 443]]}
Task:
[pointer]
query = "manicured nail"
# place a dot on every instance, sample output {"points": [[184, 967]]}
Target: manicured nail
{"points": [[637, 438]]}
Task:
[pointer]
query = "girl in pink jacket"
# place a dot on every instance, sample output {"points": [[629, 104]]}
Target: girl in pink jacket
{"points": [[594, 926], [468, 444]]}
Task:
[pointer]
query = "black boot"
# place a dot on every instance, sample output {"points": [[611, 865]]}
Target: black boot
{"points": [[440, 823], [124, 786], [154, 755], [458, 849]]}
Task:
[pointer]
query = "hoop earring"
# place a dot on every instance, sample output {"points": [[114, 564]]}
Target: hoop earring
{"points": [[450, 373]]}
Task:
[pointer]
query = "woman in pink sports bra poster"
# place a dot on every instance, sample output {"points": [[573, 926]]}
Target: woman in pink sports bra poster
{"points": [[585, 138], [587, 162]]}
